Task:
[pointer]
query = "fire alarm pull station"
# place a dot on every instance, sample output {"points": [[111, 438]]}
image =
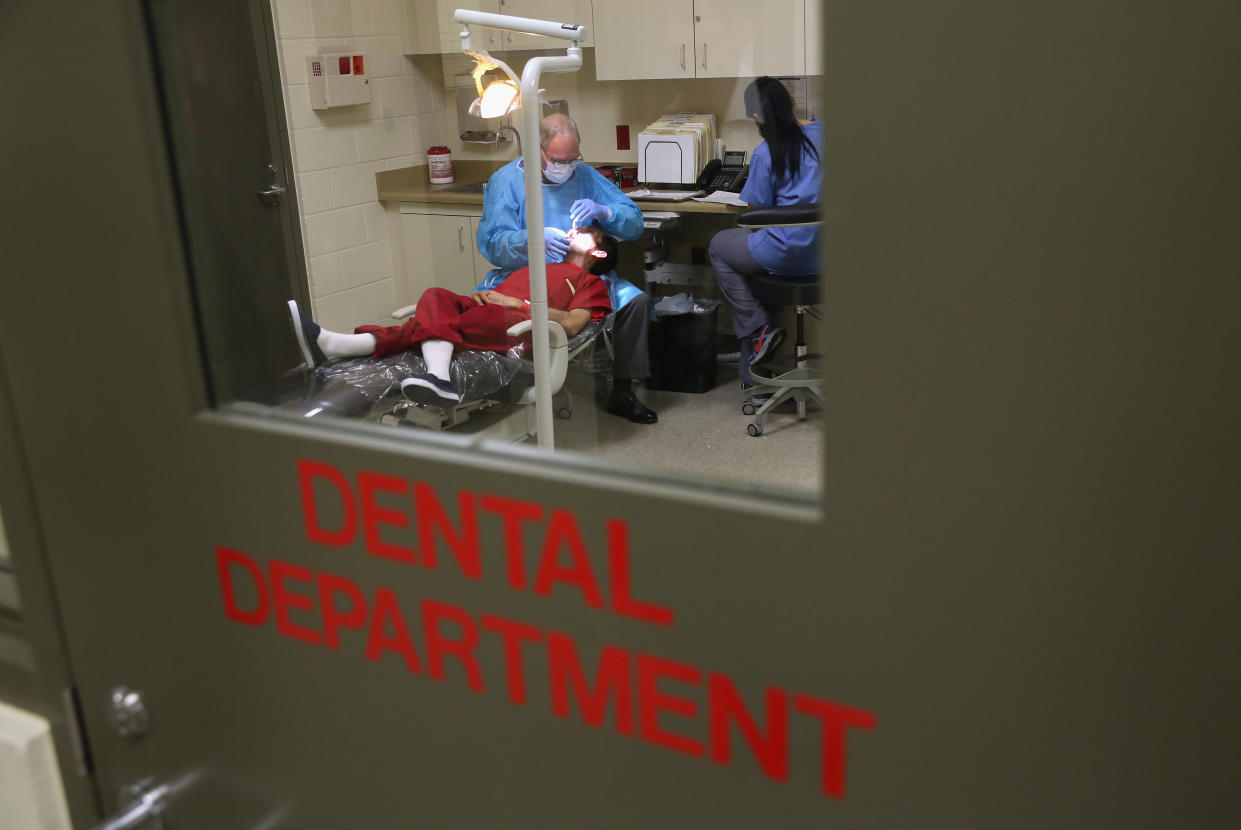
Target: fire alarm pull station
{"points": [[337, 79]]}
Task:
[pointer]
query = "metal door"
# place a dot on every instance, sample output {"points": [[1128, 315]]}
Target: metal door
{"points": [[527, 643], [948, 640], [232, 171]]}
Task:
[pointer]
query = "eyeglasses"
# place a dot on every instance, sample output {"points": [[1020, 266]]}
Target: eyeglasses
{"points": [[551, 160]]}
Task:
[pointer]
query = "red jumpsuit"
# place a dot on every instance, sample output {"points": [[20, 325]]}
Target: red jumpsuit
{"points": [[445, 315]]}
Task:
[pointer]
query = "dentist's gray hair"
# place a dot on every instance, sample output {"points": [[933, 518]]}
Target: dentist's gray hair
{"points": [[557, 124]]}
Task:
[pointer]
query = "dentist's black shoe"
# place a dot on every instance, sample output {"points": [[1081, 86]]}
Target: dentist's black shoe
{"points": [[625, 403], [306, 333]]}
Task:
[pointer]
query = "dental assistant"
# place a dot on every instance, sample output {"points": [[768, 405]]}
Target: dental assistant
{"points": [[784, 170], [573, 194]]}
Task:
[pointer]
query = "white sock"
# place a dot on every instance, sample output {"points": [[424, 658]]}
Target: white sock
{"points": [[438, 355], [335, 344]]}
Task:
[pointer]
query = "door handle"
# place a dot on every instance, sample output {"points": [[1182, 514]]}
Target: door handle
{"points": [[272, 193], [682, 55], [461, 237], [704, 54], [147, 812]]}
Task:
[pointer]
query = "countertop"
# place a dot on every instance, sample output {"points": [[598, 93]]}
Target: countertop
{"points": [[411, 184]]}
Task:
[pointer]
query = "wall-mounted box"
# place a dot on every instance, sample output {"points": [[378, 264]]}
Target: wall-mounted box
{"points": [[337, 79]]}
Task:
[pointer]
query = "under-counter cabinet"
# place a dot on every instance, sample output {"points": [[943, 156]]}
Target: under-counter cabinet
{"points": [[640, 39], [439, 249]]}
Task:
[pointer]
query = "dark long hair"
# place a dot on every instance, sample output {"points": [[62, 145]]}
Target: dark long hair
{"points": [[767, 99]]}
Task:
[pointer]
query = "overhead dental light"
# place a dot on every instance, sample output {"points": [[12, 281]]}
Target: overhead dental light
{"points": [[499, 98], [526, 89]]}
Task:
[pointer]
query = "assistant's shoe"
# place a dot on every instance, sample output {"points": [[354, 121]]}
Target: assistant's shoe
{"points": [[626, 404], [763, 344], [306, 333], [430, 390]]}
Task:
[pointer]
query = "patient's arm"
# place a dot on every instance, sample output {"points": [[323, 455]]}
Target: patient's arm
{"points": [[571, 321]]}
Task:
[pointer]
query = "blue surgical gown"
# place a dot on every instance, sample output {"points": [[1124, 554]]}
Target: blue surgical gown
{"points": [[502, 231], [788, 251]]}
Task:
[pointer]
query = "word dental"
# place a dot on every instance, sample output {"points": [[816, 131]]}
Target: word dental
{"points": [[634, 684]]}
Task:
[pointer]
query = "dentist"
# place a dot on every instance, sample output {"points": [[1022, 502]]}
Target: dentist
{"points": [[574, 194]]}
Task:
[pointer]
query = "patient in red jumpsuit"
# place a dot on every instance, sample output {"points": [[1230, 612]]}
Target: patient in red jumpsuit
{"points": [[445, 321]]}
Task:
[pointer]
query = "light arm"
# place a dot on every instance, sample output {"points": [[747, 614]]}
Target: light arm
{"points": [[525, 25]]}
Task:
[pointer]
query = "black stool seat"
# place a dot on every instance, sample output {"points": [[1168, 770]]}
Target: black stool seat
{"points": [[777, 289]]}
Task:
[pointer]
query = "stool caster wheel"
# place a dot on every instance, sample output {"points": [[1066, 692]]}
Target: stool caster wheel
{"points": [[755, 430], [564, 413], [748, 408]]}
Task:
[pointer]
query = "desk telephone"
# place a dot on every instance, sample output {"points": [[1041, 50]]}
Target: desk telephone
{"points": [[728, 174]]}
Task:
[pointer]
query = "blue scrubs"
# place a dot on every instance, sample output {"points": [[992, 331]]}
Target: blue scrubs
{"points": [[788, 251], [502, 231]]}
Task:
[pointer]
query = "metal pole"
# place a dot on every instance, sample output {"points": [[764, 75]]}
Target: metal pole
{"points": [[534, 234], [534, 68]]}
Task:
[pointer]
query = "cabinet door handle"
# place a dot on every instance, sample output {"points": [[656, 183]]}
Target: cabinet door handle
{"points": [[682, 56], [704, 54], [461, 237]]}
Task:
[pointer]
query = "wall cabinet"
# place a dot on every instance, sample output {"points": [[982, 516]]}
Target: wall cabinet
{"points": [[439, 249], [639, 39], [428, 27], [814, 37], [561, 11]]}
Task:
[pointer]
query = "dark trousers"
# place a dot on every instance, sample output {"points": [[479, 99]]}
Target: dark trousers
{"points": [[730, 255], [629, 339]]}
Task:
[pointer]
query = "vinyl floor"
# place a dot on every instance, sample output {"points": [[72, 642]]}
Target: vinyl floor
{"points": [[700, 435]]}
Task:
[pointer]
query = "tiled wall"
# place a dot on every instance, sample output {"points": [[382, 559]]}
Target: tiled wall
{"points": [[337, 151]]}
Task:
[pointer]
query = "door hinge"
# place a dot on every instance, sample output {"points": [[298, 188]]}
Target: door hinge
{"points": [[72, 704]]}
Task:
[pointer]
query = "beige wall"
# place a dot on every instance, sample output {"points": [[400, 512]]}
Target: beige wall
{"points": [[336, 152]]}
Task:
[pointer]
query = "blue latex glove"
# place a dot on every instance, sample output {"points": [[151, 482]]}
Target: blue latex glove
{"points": [[556, 243], [584, 210]]}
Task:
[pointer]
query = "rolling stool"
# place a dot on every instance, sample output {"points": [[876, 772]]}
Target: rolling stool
{"points": [[800, 383]]}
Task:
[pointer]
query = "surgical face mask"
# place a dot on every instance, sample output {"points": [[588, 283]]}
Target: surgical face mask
{"points": [[558, 172]]}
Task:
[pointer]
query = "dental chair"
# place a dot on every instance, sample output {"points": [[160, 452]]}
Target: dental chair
{"points": [[370, 388], [801, 384], [483, 389]]}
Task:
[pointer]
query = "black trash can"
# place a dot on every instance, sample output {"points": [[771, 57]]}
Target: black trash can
{"points": [[683, 349]]}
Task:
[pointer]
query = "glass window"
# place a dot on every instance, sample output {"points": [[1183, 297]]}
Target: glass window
{"points": [[363, 184]]}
